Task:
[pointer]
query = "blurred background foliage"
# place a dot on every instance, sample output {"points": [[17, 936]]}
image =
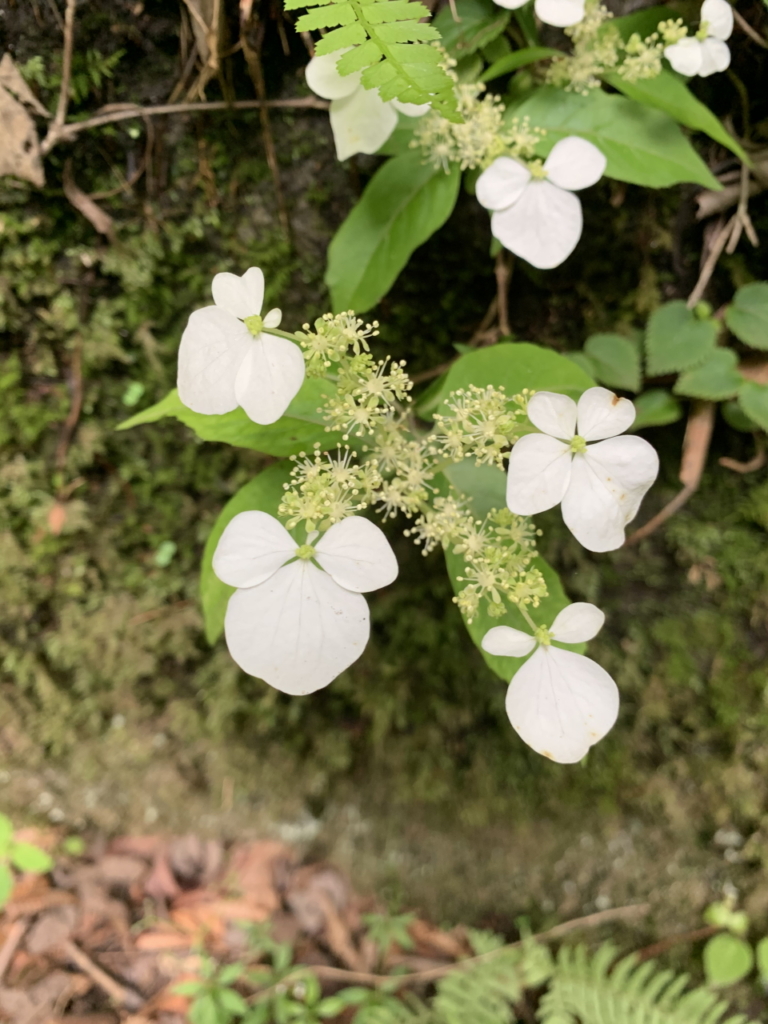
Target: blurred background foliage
{"points": [[110, 698]]}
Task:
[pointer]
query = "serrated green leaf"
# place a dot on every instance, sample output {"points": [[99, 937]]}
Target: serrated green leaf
{"points": [[675, 339], [326, 17], [656, 408], [753, 399], [300, 428], [362, 57], [6, 884], [28, 857], [338, 39], [714, 380], [668, 92], [404, 203], [479, 23], [406, 32], [518, 59], [727, 959], [642, 146], [394, 10], [264, 493], [747, 316], [616, 361]]}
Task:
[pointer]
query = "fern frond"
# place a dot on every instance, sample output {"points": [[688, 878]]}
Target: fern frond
{"points": [[387, 42], [591, 990]]}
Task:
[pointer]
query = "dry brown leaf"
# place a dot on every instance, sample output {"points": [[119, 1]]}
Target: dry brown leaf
{"points": [[20, 152], [161, 884], [308, 894], [136, 846], [92, 212], [51, 929], [429, 939], [157, 939], [10, 78], [251, 872], [120, 870], [195, 861]]}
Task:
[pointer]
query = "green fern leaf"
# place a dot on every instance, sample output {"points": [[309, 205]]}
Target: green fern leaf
{"points": [[387, 42], [595, 990]]}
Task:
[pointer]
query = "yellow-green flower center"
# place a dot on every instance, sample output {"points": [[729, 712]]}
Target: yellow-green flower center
{"points": [[254, 324], [578, 445], [537, 170], [543, 636], [703, 32], [305, 552]]}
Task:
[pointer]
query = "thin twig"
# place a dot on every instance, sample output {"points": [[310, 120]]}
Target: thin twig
{"points": [[742, 219], [757, 461], [503, 272], [12, 940], [120, 994], [435, 371], [708, 267], [747, 28], [66, 65], [649, 952], [130, 110]]}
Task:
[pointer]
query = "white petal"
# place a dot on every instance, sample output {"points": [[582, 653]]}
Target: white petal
{"points": [[273, 318], [213, 346], [715, 56], [685, 56], [560, 12], [607, 484], [357, 555], [269, 378], [577, 623], [298, 630], [502, 183], [554, 414], [240, 296], [511, 5], [543, 227], [252, 548], [538, 475], [560, 703], [325, 80], [603, 414], [574, 163], [508, 642], [361, 123], [718, 15], [412, 109]]}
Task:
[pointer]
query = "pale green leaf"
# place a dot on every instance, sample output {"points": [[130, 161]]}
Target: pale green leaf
{"points": [[727, 959], [6, 884], [28, 857], [642, 146], [753, 399], [714, 380], [747, 316], [761, 957], [675, 339], [616, 361], [263, 493], [656, 408], [404, 203], [299, 429], [669, 92]]}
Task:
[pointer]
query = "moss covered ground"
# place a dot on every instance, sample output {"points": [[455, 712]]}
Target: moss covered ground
{"points": [[114, 713]]}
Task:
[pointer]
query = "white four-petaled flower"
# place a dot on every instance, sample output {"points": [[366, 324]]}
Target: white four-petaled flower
{"points": [[361, 121], [559, 702], [293, 623], [561, 13], [707, 51], [599, 485], [536, 215], [227, 360]]}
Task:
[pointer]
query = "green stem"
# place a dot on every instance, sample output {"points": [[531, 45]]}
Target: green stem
{"points": [[527, 617]]}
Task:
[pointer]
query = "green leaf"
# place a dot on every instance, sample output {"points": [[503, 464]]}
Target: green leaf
{"points": [[231, 1001], [668, 92], [761, 958], [514, 366], [6, 834], [205, 1010], [736, 418], [656, 408], [727, 959], [27, 857], [747, 316], [188, 988], [642, 146], [643, 22], [404, 203], [6, 884], [299, 429], [230, 974], [753, 399], [675, 339], [480, 22], [518, 59], [264, 493], [715, 380], [616, 360]]}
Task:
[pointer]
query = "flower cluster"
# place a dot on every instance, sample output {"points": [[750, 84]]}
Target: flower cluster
{"points": [[705, 52], [367, 391], [331, 339], [324, 490], [479, 424], [597, 48]]}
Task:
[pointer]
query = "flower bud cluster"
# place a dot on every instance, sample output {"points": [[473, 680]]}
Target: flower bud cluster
{"points": [[331, 339], [324, 490], [479, 424]]}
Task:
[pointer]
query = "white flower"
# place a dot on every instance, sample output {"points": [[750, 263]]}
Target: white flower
{"points": [[561, 13], [560, 703], [226, 360], [599, 485], [360, 120], [536, 215], [290, 623], [706, 52]]}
